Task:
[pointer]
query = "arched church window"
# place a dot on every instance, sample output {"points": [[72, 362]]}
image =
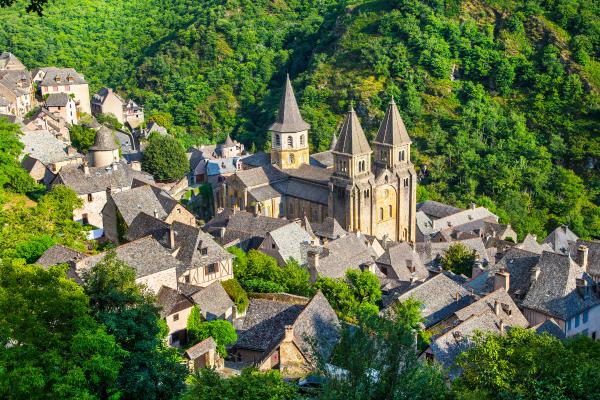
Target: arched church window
{"points": [[381, 213], [390, 210], [301, 140], [277, 139], [291, 159], [290, 141]]}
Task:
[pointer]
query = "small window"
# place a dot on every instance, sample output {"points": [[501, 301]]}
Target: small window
{"points": [[390, 210], [175, 317], [277, 140], [178, 210], [576, 321], [204, 251], [290, 141], [90, 197], [585, 316], [381, 213], [186, 279], [291, 159], [384, 270], [367, 194], [211, 269], [301, 140], [273, 246]]}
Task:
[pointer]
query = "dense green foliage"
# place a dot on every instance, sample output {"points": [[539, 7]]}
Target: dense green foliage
{"points": [[258, 272], [12, 176], [459, 259], [500, 96], [252, 384], [51, 346], [237, 293], [357, 295], [524, 365], [82, 137], [151, 369], [221, 331], [380, 360], [165, 159]]}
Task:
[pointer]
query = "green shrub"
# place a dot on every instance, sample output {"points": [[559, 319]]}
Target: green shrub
{"points": [[237, 294]]}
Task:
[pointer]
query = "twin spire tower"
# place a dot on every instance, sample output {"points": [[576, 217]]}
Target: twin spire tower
{"points": [[373, 192]]}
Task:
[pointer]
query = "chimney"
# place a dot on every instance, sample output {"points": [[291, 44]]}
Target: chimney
{"points": [[369, 266], [171, 237], [415, 335], [115, 166], [314, 255], [497, 307], [86, 168], [582, 257], [136, 166], [289, 333], [155, 213], [582, 288], [535, 273], [472, 206], [456, 296], [501, 326], [502, 280]]}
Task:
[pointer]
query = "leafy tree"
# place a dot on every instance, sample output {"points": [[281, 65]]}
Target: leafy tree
{"points": [[12, 176], [237, 294], [380, 362], [51, 345], [339, 294], [252, 384], [165, 159], [33, 248], [263, 286], [82, 137], [525, 365], [221, 331], [110, 121], [151, 368], [458, 259], [365, 285]]}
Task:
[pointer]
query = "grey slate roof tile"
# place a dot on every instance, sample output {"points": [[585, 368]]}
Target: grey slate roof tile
{"points": [[392, 130], [289, 118], [212, 300], [352, 139]]}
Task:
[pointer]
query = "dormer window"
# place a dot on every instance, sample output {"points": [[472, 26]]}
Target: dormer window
{"points": [[57, 78], [204, 251], [70, 78]]}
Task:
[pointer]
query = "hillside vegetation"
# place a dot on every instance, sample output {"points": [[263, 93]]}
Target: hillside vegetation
{"points": [[500, 96]]}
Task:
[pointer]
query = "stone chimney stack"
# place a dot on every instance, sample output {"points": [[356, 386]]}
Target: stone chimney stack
{"points": [[477, 269], [171, 237], [497, 307], [86, 167], [501, 326], [535, 273], [582, 257], [156, 213], [314, 255], [289, 333], [502, 280]]}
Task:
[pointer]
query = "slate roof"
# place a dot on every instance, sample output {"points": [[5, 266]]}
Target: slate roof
{"points": [[154, 127], [509, 313], [201, 348], [264, 324], [462, 217], [51, 73], [289, 118], [144, 225], [100, 178], [550, 327], [171, 301], [101, 95], [530, 244], [221, 166], [329, 228], [18, 82], [259, 176], [45, 147], [352, 139], [244, 226], [392, 130], [449, 345], [258, 159], [265, 321], [559, 239], [289, 239], [189, 239], [438, 296], [57, 100], [10, 61], [301, 189], [436, 210], [555, 291], [212, 300], [147, 199], [146, 256], [340, 255], [59, 254], [518, 263], [310, 173], [323, 159], [105, 140], [265, 192], [400, 256]]}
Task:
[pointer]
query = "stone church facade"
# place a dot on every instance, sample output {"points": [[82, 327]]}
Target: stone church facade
{"points": [[366, 189]]}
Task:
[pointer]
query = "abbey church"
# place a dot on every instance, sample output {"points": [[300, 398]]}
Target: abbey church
{"points": [[371, 193]]}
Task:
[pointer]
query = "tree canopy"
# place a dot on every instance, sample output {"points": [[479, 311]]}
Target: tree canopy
{"points": [[165, 159]]}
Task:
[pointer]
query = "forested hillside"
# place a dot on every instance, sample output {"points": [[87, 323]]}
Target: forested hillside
{"points": [[500, 96]]}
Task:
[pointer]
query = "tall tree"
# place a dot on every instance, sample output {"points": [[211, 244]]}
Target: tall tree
{"points": [[151, 370], [165, 159]]}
